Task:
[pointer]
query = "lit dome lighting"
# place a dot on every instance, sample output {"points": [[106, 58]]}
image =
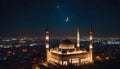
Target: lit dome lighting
{"points": [[66, 44]]}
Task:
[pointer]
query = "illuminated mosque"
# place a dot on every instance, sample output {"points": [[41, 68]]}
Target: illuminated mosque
{"points": [[67, 53]]}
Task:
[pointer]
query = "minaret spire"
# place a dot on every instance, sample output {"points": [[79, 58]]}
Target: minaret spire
{"points": [[47, 42], [91, 38], [91, 45], [47, 37], [78, 38]]}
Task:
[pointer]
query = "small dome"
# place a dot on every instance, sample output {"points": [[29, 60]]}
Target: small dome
{"points": [[66, 44]]}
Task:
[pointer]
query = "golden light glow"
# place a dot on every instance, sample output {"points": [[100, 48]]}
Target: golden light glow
{"points": [[75, 60], [65, 63], [74, 52], [9, 52], [47, 46], [98, 58], [107, 58], [24, 50], [47, 38], [91, 38], [60, 62], [54, 60], [64, 46], [37, 67], [85, 60], [78, 38], [91, 47]]}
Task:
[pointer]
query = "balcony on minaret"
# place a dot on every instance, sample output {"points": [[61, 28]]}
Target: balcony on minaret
{"points": [[47, 46], [91, 38], [91, 47], [47, 38]]}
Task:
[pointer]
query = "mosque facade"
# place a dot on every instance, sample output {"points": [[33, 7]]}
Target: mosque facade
{"points": [[67, 53]]}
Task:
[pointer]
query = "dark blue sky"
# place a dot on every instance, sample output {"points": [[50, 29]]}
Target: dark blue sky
{"points": [[30, 16]]}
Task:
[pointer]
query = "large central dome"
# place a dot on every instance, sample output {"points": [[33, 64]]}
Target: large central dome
{"points": [[66, 44]]}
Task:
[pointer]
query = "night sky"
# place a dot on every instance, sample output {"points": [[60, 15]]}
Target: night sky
{"points": [[30, 16]]}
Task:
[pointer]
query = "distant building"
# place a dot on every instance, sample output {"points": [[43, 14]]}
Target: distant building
{"points": [[67, 54]]}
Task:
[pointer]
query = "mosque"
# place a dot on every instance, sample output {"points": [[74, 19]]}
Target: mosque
{"points": [[67, 53]]}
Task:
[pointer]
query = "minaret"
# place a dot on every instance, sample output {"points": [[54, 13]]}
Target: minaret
{"points": [[78, 38], [47, 42], [91, 45]]}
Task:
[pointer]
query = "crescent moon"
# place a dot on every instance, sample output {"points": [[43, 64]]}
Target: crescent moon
{"points": [[67, 19]]}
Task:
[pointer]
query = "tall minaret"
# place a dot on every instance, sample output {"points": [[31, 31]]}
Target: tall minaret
{"points": [[78, 38], [91, 45], [47, 42]]}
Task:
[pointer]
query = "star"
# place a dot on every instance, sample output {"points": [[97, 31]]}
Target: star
{"points": [[58, 6]]}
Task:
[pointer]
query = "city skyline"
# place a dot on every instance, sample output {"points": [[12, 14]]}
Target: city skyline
{"points": [[26, 16]]}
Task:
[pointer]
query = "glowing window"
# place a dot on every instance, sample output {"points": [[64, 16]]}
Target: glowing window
{"points": [[60, 62], [64, 62], [75, 60]]}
